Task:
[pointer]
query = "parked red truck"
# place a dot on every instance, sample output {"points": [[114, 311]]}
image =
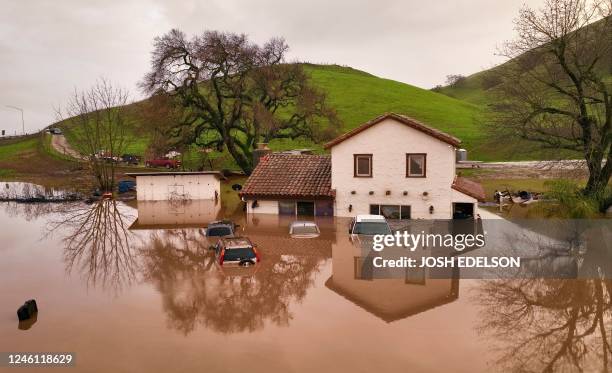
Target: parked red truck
{"points": [[163, 162]]}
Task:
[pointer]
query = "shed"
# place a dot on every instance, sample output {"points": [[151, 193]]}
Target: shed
{"points": [[160, 186]]}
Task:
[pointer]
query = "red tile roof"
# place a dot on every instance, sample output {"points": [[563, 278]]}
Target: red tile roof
{"points": [[469, 187], [290, 176], [402, 119]]}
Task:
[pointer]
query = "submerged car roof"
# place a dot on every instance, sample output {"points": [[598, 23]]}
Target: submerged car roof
{"points": [[370, 218], [303, 223], [220, 222], [236, 242]]}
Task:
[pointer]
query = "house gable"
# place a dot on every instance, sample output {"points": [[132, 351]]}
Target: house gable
{"points": [[410, 122], [389, 142]]}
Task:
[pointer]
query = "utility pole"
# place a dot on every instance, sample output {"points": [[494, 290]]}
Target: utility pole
{"points": [[22, 122]]}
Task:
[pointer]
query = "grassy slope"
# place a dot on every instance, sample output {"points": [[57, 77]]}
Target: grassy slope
{"points": [[137, 136], [32, 159], [359, 97], [472, 90]]}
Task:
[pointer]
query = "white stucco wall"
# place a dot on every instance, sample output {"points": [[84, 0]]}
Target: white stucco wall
{"points": [[164, 187], [191, 212], [264, 207], [388, 142]]}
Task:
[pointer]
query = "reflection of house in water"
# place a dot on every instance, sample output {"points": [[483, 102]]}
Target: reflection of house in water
{"points": [[176, 214], [390, 299]]}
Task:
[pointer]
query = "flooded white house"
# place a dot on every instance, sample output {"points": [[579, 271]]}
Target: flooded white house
{"points": [[392, 165]]}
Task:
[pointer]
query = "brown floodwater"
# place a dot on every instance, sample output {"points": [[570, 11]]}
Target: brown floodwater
{"points": [[136, 289]]}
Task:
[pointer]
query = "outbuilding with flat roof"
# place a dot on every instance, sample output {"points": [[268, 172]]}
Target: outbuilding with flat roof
{"points": [[160, 186]]}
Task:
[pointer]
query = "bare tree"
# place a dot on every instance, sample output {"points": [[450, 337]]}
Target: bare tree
{"points": [[236, 93], [97, 121], [97, 243], [556, 90], [161, 113], [549, 325]]}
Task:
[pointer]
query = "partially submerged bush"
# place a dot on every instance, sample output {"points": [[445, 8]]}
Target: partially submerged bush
{"points": [[570, 202]]}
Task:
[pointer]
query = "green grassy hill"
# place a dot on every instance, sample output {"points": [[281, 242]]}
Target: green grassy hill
{"points": [[472, 89], [358, 97], [479, 88]]}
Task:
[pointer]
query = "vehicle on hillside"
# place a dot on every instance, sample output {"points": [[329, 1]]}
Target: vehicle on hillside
{"points": [[369, 225], [55, 131], [236, 251], [172, 154], [304, 229], [106, 156], [130, 159], [163, 162]]}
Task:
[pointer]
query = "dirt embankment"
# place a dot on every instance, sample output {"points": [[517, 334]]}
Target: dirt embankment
{"points": [[61, 145], [31, 160]]}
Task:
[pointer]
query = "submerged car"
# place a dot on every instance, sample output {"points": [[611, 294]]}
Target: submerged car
{"points": [[369, 225], [221, 228], [130, 159], [236, 251], [304, 229]]}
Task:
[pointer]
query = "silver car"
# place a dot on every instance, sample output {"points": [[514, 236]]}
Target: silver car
{"points": [[304, 229]]}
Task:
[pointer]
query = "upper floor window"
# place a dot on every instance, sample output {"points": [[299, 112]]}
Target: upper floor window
{"points": [[416, 165], [362, 166]]}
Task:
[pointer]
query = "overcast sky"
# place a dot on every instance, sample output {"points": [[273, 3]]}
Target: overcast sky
{"points": [[47, 48]]}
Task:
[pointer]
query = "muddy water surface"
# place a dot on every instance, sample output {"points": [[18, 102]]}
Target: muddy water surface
{"points": [[136, 290]]}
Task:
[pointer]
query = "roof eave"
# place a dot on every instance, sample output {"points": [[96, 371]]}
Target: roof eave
{"points": [[285, 196], [480, 197], [451, 140]]}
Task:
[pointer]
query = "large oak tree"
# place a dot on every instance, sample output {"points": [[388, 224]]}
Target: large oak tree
{"points": [[236, 93], [556, 89]]}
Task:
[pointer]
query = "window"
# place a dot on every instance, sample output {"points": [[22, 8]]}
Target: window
{"points": [[405, 212], [362, 165], [286, 207], [391, 211], [416, 165], [289, 207]]}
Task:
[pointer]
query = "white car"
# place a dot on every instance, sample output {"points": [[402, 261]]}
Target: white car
{"points": [[369, 225], [304, 229]]}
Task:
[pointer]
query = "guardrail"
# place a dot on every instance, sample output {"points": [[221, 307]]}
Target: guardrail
{"points": [[19, 137]]}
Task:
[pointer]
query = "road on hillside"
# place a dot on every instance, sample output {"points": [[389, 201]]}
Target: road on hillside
{"points": [[61, 145]]}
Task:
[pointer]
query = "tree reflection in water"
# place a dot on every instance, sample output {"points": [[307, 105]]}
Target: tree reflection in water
{"points": [[97, 243], [227, 300], [547, 325], [29, 211]]}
